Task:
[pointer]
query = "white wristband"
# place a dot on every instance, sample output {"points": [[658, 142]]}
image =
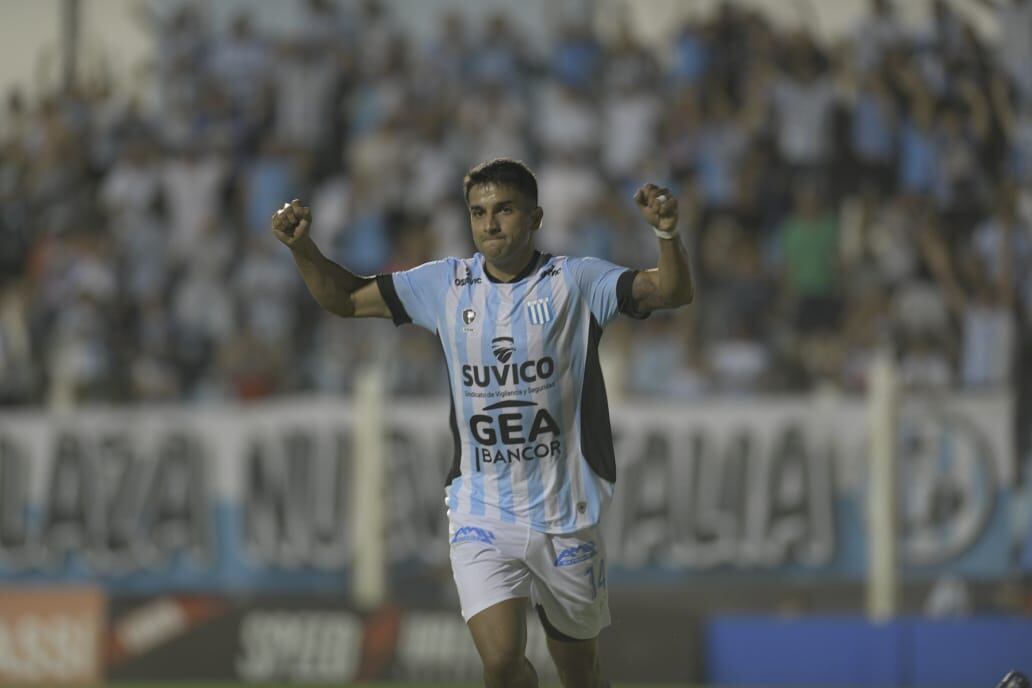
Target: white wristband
{"points": [[665, 235]]}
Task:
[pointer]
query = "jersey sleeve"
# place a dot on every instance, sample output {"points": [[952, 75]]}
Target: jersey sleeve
{"points": [[606, 287], [416, 296]]}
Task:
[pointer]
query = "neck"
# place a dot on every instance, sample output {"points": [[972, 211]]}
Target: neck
{"points": [[507, 271]]}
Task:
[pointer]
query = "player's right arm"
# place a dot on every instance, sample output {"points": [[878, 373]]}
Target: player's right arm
{"points": [[335, 288]]}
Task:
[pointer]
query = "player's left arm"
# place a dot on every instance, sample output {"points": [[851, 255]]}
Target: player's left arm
{"points": [[669, 284]]}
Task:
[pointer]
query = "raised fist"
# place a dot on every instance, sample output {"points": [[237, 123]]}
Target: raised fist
{"points": [[658, 206], [290, 223]]}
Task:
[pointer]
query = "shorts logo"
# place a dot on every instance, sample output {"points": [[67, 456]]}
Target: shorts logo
{"points": [[539, 311], [468, 316], [472, 534], [575, 555]]}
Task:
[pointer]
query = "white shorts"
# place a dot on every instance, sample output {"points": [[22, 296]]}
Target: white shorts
{"points": [[563, 575]]}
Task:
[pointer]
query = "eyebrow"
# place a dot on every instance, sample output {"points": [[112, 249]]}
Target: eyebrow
{"points": [[499, 204]]}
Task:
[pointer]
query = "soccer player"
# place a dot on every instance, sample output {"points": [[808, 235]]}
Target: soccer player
{"points": [[534, 466]]}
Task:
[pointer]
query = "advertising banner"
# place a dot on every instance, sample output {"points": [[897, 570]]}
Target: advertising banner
{"points": [[322, 640], [259, 497], [749, 650], [170, 498], [300, 639], [51, 636], [780, 486]]}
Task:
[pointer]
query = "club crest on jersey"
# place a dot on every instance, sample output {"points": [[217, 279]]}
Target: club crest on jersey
{"points": [[468, 316], [539, 311]]}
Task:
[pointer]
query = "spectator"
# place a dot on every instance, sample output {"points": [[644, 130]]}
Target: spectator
{"points": [[691, 56], [192, 184], [131, 186], [269, 176], [500, 57], [494, 122], [984, 311], [16, 369], [873, 132], [918, 158], [960, 142], [577, 56], [1016, 123], [1014, 17], [631, 112], [810, 242], [307, 88], [803, 99], [568, 186], [723, 139], [567, 121], [881, 31], [326, 25], [240, 62]]}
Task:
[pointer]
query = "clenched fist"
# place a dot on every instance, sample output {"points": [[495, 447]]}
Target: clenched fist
{"points": [[290, 223], [658, 206]]}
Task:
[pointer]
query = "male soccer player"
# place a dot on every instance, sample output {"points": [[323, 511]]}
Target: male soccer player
{"points": [[534, 465]]}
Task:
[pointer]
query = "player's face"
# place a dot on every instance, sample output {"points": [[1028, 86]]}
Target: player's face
{"points": [[503, 222]]}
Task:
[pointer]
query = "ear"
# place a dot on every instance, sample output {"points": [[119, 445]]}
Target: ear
{"points": [[536, 216]]}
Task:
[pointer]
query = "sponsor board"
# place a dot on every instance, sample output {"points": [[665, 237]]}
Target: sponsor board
{"points": [[744, 650], [307, 646], [314, 640], [170, 638], [50, 636], [436, 646], [293, 642], [253, 498]]}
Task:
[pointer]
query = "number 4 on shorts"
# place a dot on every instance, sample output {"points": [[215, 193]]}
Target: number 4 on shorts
{"points": [[599, 584]]}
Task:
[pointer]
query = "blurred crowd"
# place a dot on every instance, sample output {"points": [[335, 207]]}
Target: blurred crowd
{"points": [[838, 199]]}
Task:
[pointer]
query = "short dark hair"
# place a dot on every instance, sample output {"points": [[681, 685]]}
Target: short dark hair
{"points": [[503, 172]]}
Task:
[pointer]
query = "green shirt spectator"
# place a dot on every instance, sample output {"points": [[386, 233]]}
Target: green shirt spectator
{"points": [[810, 242]]}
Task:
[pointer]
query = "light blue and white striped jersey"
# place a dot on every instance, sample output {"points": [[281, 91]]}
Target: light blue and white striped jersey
{"points": [[533, 443]]}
